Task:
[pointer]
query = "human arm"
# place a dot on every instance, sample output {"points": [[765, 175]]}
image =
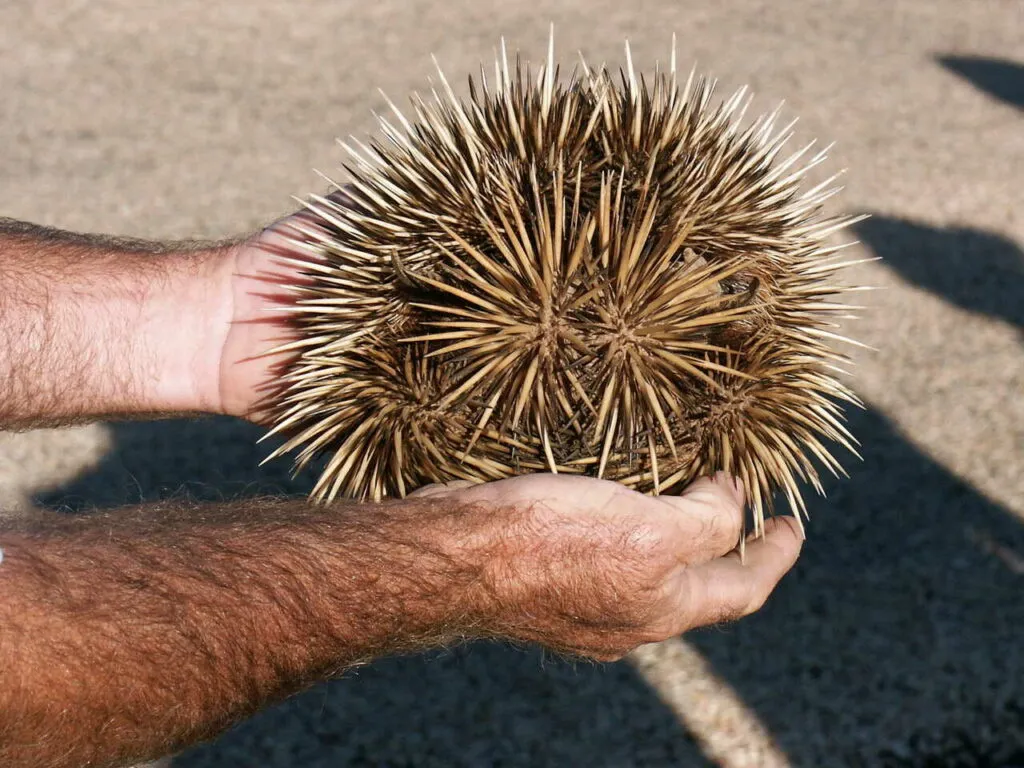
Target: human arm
{"points": [[94, 326], [133, 633]]}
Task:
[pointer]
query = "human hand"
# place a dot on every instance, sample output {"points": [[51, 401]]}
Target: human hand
{"points": [[589, 567], [255, 281]]}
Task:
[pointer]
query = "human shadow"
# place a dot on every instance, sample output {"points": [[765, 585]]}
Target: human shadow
{"points": [[896, 639], [1001, 79], [482, 704], [978, 271]]}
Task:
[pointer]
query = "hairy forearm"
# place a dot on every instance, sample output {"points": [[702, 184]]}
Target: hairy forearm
{"points": [[129, 634], [93, 326]]}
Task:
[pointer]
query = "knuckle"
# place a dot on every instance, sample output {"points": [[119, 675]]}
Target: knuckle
{"points": [[709, 532]]}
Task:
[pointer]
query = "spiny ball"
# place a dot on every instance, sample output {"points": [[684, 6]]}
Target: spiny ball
{"points": [[603, 276]]}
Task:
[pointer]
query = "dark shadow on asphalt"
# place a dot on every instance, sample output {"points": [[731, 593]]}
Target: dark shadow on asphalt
{"points": [[976, 270], [1001, 79], [206, 459]]}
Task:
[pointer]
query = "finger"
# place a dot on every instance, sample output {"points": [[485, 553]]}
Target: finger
{"points": [[707, 519], [439, 489], [728, 588]]}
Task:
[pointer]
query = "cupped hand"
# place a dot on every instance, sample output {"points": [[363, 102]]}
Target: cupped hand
{"points": [[589, 567]]}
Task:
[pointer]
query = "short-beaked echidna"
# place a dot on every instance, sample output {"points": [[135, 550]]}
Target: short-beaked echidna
{"points": [[606, 276]]}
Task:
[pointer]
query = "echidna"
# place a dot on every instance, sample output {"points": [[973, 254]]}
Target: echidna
{"points": [[604, 276]]}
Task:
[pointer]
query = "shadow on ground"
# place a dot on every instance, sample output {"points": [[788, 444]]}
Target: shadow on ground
{"points": [[481, 705], [907, 595], [207, 459], [1001, 79], [978, 271], [904, 612]]}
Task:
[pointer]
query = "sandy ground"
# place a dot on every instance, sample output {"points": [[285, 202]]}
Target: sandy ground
{"points": [[897, 641]]}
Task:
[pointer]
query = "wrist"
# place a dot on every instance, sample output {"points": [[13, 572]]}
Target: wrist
{"points": [[96, 327], [183, 321], [428, 580], [475, 536]]}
